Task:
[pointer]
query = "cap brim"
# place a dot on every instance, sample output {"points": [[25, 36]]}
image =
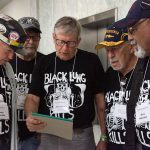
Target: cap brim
{"points": [[31, 27], [34, 29], [21, 51], [104, 44], [126, 22]]}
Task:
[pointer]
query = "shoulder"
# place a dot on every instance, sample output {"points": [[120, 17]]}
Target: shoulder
{"points": [[110, 70], [87, 56], [40, 54], [111, 73], [86, 53], [46, 60]]}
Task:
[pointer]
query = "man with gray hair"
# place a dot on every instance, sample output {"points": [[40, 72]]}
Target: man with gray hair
{"points": [[138, 110], [64, 85]]}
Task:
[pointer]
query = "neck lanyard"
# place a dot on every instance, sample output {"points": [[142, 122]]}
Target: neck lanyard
{"points": [[146, 70], [121, 84], [55, 68]]}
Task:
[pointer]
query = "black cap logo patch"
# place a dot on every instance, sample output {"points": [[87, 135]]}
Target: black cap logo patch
{"points": [[14, 36]]}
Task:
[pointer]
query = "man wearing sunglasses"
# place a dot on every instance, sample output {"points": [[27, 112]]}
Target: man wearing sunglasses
{"points": [[138, 110], [66, 83], [12, 38], [23, 67], [118, 79]]}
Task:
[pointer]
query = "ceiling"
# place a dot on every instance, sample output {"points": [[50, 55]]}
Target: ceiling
{"points": [[3, 3]]}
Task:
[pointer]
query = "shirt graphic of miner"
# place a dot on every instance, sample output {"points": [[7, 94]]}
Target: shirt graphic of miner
{"points": [[63, 96], [22, 90], [23, 79], [116, 115], [142, 114]]}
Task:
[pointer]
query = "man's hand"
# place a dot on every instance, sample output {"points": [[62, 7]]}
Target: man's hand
{"points": [[34, 124], [102, 145]]}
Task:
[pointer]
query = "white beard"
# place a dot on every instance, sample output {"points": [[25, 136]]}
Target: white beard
{"points": [[139, 52]]}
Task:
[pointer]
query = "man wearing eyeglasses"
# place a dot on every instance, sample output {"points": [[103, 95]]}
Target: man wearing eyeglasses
{"points": [[138, 110], [66, 84], [118, 80], [23, 67]]}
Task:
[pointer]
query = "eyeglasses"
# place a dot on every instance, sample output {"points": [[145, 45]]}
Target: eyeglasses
{"points": [[61, 43], [131, 29], [145, 4], [34, 38]]}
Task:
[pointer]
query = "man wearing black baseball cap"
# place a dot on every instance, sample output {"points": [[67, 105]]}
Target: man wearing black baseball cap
{"points": [[23, 67], [12, 38], [138, 110], [138, 23]]}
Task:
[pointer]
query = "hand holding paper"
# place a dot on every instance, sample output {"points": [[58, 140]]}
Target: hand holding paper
{"points": [[52, 125], [34, 124]]}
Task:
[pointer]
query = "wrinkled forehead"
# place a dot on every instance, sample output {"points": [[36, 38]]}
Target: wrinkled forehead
{"points": [[68, 31]]}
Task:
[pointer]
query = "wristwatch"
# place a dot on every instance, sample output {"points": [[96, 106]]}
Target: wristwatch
{"points": [[103, 137]]}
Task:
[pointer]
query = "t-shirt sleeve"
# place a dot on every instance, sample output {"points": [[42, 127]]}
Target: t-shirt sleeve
{"points": [[99, 76]]}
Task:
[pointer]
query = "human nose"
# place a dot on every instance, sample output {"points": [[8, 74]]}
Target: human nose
{"points": [[30, 40], [10, 55], [65, 47], [110, 53]]}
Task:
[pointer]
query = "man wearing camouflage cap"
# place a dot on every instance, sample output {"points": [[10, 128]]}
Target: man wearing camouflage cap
{"points": [[12, 38], [23, 67], [138, 110]]}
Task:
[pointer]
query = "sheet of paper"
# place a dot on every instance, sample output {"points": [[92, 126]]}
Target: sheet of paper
{"points": [[56, 126]]}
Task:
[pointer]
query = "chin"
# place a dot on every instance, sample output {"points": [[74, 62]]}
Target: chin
{"points": [[65, 58]]}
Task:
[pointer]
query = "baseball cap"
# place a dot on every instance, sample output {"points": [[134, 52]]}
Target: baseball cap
{"points": [[140, 9], [12, 33], [113, 37], [30, 23]]}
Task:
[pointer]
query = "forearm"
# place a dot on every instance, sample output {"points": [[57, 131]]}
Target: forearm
{"points": [[31, 104], [100, 105]]}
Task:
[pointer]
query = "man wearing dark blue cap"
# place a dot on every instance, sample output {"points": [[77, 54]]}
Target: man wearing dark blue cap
{"points": [[122, 60], [23, 67], [12, 38], [138, 110]]}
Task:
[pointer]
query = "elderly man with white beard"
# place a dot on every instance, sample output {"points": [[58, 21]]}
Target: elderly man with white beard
{"points": [[138, 110]]}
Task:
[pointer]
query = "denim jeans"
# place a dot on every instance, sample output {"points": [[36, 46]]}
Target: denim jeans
{"points": [[31, 143], [4, 146], [82, 140]]}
